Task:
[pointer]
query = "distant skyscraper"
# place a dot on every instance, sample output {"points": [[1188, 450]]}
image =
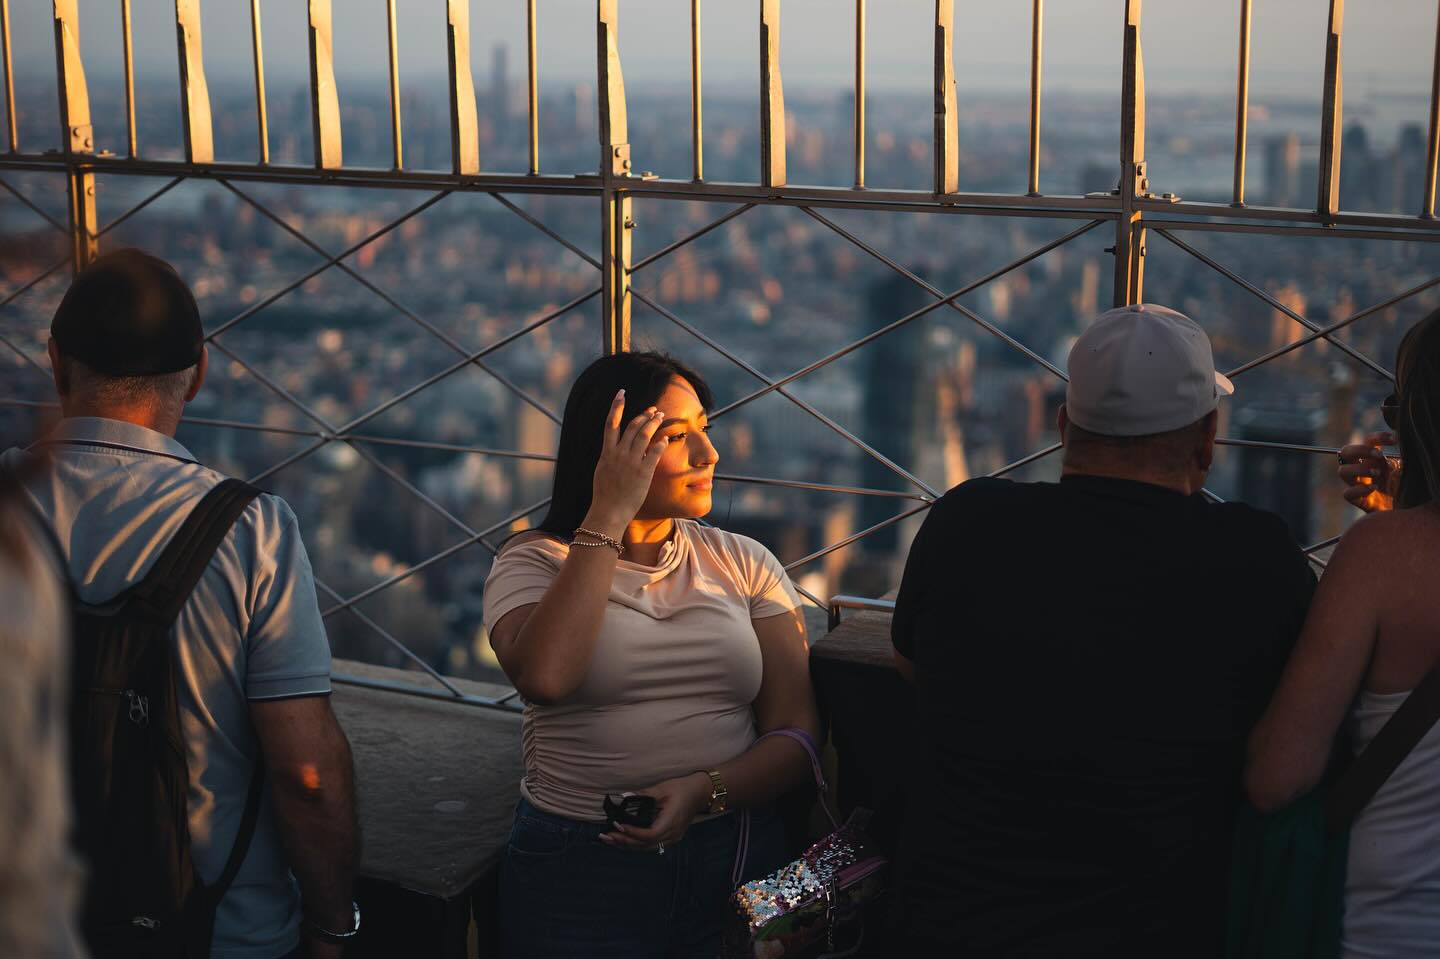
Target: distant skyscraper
{"points": [[1358, 171], [895, 381], [1275, 479], [500, 92], [1282, 170]]}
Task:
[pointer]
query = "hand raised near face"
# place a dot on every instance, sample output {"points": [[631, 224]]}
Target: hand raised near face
{"points": [[627, 463]]}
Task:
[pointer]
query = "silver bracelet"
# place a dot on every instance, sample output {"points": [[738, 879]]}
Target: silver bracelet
{"points": [[604, 540]]}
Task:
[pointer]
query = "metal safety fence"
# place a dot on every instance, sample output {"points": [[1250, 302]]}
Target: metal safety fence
{"points": [[1132, 212]]}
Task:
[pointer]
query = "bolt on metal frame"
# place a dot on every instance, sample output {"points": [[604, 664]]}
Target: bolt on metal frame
{"points": [[1132, 209]]}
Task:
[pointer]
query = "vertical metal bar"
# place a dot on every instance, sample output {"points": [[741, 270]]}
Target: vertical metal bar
{"points": [[616, 223], [947, 136], [697, 136], [12, 130], [859, 94], [79, 135], [1130, 226], [533, 69], [324, 100], [1242, 104], [261, 122], [772, 97], [1428, 210], [464, 121], [1037, 29], [129, 55], [1328, 199], [195, 123], [396, 138]]}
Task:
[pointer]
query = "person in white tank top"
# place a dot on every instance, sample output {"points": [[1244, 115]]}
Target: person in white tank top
{"points": [[1372, 635]]}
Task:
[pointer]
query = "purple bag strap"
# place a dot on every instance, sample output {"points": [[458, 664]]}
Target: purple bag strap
{"points": [[807, 742]]}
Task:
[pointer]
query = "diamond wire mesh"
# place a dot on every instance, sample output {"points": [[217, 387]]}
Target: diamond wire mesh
{"points": [[326, 435], [329, 433]]}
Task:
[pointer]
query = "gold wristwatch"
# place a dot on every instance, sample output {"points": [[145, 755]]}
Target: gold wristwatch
{"points": [[718, 793]]}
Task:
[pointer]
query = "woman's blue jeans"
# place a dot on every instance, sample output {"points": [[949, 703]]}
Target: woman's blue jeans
{"points": [[564, 893]]}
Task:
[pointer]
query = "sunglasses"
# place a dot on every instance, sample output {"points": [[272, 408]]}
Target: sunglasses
{"points": [[1390, 410]]}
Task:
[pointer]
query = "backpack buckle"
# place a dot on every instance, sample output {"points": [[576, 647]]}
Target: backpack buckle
{"points": [[139, 710], [145, 922]]}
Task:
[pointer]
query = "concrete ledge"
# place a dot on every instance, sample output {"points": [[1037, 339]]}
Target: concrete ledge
{"points": [[437, 781]]}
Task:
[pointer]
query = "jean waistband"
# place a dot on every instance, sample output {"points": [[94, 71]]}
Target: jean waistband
{"points": [[529, 810]]}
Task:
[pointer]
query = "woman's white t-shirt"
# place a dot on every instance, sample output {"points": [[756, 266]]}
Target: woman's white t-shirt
{"points": [[675, 669]]}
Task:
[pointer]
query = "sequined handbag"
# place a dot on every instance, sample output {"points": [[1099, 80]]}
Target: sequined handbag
{"points": [[814, 906]]}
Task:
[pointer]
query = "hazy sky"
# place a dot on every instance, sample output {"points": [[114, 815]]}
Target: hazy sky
{"points": [[1190, 45]]}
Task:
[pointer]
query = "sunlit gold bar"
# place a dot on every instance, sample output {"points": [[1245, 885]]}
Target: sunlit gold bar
{"points": [[859, 94], [614, 116], [533, 71], [1037, 29], [1434, 145], [772, 97], [262, 123], [617, 225], [464, 124], [12, 130], [1242, 104], [195, 122], [79, 135], [697, 135], [1130, 225], [324, 99], [1332, 112], [129, 55], [947, 135], [396, 137]]}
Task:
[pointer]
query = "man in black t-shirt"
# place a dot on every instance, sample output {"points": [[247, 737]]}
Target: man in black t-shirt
{"points": [[1088, 659]]}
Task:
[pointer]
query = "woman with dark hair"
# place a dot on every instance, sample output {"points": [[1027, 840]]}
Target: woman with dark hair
{"points": [[1372, 635], [652, 652]]}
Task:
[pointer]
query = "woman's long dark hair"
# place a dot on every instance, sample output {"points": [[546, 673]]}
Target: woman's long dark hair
{"points": [[1417, 373], [643, 377]]}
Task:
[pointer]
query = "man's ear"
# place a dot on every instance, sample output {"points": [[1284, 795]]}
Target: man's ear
{"points": [[201, 366], [1205, 452], [1062, 422], [59, 370]]}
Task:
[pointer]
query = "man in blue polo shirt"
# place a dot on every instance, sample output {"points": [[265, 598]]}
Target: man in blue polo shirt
{"points": [[1088, 659], [127, 350]]}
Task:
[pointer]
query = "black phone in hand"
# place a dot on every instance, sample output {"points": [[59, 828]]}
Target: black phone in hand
{"points": [[631, 810]]}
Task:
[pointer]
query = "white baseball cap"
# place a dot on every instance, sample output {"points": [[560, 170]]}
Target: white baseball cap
{"points": [[1142, 369]]}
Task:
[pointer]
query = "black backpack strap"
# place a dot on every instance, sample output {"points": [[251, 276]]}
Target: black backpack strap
{"points": [[170, 581], [242, 836], [1401, 733]]}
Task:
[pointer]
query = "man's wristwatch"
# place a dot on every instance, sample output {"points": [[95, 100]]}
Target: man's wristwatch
{"points": [[312, 928], [718, 793]]}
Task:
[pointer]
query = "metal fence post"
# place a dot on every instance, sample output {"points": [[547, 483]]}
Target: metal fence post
{"points": [[772, 97], [947, 136], [1130, 226], [464, 123], [194, 92], [1332, 110], [616, 223], [324, 99], [78, 133]]}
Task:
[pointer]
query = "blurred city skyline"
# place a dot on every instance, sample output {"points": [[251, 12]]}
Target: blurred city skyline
{"points": [[1189, 47], [941, 396]]}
